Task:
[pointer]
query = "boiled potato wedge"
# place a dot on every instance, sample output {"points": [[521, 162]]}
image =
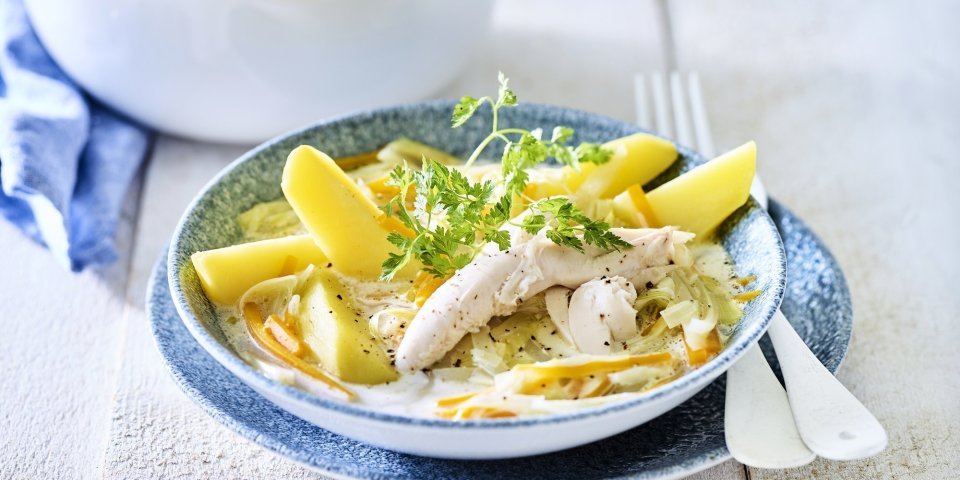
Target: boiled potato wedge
{"points": [[339, 335], [225, 273], [346, 225], [636, 159], [700, 199]]}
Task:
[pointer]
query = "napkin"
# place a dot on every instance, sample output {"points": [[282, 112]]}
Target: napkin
{"points": [[66, 161]]}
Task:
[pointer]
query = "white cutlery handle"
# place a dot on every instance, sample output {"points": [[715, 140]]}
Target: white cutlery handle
{"points": [[831, 421], [759, 426]]}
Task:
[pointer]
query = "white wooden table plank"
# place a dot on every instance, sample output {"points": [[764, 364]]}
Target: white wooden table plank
{"points": [[728, 470], [58, 353], [854, 108]]}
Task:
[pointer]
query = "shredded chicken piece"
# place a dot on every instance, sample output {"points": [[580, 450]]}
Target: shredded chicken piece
{"points": [[557, 300], [496, 283], [601, 311]]}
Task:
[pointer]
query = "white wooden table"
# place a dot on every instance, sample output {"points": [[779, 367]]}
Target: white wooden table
{"points": [[856, 111]]}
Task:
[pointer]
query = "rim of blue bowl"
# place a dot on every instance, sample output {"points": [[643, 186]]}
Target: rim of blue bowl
{"points": [[234, 363]]}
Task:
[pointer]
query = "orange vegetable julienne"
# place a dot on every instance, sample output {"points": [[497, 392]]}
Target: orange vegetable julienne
{"points": [[472, 412], [282, 334], [605, 365], [642, 205], [699, 357], [747, 296], [357, 161], [255, 325], [425, 285], [458, 399], [380, 187], [393, 224]]}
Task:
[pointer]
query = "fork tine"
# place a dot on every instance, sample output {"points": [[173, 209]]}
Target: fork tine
{"points": [[701, 127], [680, 119], [640, 99], [701, 124], [661, 112]]}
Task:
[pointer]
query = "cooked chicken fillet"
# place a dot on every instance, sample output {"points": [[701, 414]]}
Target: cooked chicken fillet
{"points": [[496, 283]]}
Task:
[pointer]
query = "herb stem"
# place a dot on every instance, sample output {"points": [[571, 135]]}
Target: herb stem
{"points": [[476, 153], [495, 134]]}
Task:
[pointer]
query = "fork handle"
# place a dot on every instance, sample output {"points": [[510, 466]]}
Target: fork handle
{"points": [[831, 421]]}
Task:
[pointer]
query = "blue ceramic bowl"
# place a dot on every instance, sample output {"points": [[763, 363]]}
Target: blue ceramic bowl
{"points": [[749, 236]]}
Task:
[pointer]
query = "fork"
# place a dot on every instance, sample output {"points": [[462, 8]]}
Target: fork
{"points": [[765, 426]]}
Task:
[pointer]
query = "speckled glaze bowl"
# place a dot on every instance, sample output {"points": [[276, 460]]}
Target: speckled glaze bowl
{"points": [[749, 235]]}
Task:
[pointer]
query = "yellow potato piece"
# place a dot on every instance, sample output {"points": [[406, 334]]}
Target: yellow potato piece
{"points": [[637, 159], [346, 225], [339, 335], [225, 273], [702, 198]]}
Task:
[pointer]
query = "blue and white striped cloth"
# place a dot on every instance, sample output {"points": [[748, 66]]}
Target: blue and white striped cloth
{"points": [[66, 162]]}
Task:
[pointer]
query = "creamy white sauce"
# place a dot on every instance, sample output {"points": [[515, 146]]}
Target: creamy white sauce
{"points": [[416, 394]]}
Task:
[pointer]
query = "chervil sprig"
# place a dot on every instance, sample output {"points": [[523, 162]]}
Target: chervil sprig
{"points": [[452, 218], [527, 148], [564, 221]]}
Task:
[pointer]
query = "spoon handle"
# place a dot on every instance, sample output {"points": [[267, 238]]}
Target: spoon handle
{"points": [[831, 421], [760, 431]]}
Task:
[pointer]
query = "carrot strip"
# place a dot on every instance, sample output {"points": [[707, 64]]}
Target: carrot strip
{"points": [[747, 296], [457, 399], [427, 286], [282, 335], [642, 205], [357, 161], [699, 357], [393, 224], [605, 365]]}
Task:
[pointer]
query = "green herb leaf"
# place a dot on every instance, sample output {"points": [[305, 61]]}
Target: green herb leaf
{"points": [[593, 153], [533, 223], [561, 134], [452, 218], [567, 221], [505, 96], [464, 110], [520, 156]]}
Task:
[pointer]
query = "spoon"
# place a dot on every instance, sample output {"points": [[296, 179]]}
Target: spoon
{"points": [[831, 422], [767, 427]]}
